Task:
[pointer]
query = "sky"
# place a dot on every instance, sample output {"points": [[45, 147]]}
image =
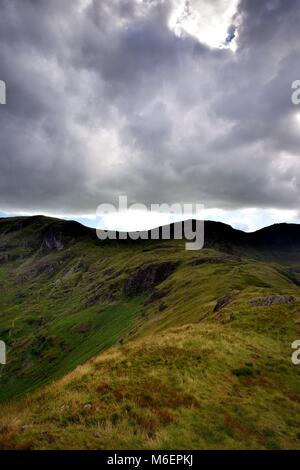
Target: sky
{"points": [[164, 101]]}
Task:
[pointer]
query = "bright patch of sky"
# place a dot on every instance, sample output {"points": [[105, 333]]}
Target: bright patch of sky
{"points": [[210, 22]]}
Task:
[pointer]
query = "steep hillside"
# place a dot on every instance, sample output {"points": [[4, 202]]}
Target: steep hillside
{"points": [[66, 296], [202, 338]]}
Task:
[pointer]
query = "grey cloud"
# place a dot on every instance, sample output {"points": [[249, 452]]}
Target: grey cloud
{"points": [[107, 100]]}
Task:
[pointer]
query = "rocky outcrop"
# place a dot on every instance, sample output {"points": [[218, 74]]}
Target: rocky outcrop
{"points": [[225, 300], [145, 279], [272, 300], [52, 241], [44, 266]]}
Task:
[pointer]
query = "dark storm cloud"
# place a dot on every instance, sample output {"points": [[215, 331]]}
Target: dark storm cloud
{"points": [[104, 99]]}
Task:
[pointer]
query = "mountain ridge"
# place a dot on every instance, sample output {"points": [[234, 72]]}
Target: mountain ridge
{"points": [[274, 232]]}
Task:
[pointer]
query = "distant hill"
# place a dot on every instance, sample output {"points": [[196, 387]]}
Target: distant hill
{"points": [[276, 242]]}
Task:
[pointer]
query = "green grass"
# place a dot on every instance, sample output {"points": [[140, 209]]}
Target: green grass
{"points": [[168, 369], [201, 386], [65, 348]]}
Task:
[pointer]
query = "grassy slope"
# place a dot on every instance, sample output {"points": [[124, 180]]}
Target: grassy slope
{"points": [[205, 386], [55, 308], [183, 376]]}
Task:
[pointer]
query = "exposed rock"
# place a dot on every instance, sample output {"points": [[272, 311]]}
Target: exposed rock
{"points": [[222, 302], [53, 241], [44, 266], [40, 267], [146, 278], [110, 292], [272, 300]]}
